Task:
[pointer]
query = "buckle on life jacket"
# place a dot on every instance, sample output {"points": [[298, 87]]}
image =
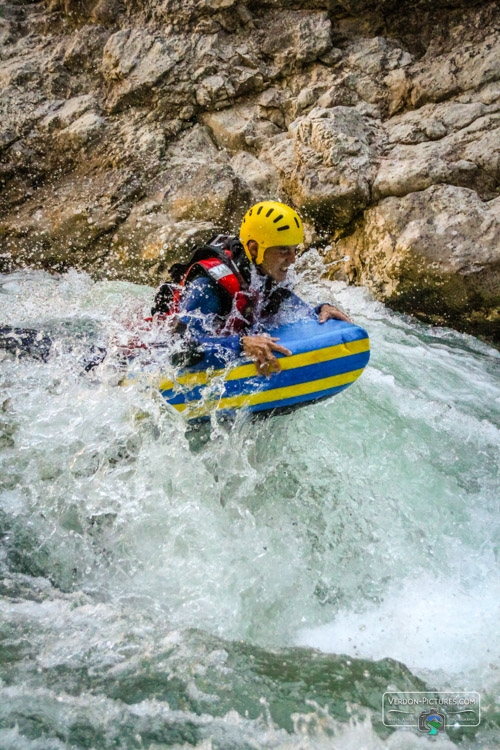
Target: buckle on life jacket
{"points": [[219, 272]]}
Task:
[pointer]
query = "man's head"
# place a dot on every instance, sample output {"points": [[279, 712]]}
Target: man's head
{"points": [[276, 259], [270, 232]]}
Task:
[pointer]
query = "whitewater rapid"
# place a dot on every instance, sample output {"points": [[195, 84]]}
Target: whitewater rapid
{"points": [[147, 569]]}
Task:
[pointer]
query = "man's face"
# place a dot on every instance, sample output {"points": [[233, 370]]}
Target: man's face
{"points": [[277, 261]]}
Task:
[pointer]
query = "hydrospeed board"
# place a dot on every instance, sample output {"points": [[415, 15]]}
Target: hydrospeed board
{"points": [[326, 358]]}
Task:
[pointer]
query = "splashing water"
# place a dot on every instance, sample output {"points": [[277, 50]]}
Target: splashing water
{"points": [[162, 586]]}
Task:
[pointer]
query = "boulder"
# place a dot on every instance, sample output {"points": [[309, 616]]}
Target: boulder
{"points": [[453, 142], [435, 253], [231, 127], [18, 72], [327, 164], [464, 69], [82, 131], [196, 195], [82, 51], [239, 127], [374, 67], [198, 181], [149, 241], [70, 111], [68, 225], [134, 61], [294, 37], [261, 176]]}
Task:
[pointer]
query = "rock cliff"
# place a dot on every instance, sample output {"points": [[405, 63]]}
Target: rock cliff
{"points": [[132, 129]]}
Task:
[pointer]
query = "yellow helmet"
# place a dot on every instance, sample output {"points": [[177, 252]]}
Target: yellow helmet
{"points": [[269, 224]]}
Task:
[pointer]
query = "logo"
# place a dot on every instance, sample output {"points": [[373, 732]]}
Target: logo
{"points": [[431, 712], [431, 722]]}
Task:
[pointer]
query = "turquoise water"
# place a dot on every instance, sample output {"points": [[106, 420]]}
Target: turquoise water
{"points": [[260, 584]]}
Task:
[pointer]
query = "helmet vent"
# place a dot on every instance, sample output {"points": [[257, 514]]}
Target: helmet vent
{"points": [[250, 212], [296, 221], [281, 229], [260, 209], [269, 212], [277, 218]]}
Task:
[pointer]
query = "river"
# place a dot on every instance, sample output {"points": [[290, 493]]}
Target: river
{"points": [[247, 585]]}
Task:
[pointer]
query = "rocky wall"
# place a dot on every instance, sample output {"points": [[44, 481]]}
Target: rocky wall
{"points": [[131, 130]]}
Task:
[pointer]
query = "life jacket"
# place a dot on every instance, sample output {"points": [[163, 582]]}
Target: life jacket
{"points": [[217, 261], [223, 260]]}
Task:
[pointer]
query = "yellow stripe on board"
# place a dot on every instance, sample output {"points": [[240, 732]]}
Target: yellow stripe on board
{"points": [[287, 363], [277, 394]]}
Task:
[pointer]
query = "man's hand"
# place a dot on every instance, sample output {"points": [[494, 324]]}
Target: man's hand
{"points": [[328, 312], [260, 349]]}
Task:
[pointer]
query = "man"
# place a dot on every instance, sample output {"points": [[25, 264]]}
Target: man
{"points": [[255, 278]]}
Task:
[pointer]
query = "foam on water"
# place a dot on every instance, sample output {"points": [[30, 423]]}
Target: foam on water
{"points": [[429, 623]]}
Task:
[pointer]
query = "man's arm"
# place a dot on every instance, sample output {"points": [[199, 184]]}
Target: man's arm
{"points": [[329, 312], [260, 349], [202, 301], [324, 311], [201, 311]]}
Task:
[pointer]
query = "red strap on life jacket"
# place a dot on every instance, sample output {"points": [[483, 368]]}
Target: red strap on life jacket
{"points": [[220, 273], [174, 307]]}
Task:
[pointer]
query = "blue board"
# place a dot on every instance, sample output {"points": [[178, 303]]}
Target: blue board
{"points": [[326, 359]]}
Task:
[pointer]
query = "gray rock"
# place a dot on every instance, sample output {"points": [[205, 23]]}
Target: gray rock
{"points": [[239, 127], [464, 69], [295, 37], [82, 130], [327, 165], [70, 111], [434, 253], [261, 176], [136, 61], [434, 148]]}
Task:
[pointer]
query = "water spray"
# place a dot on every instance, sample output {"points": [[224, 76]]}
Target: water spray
{"points": [[336, 262]]}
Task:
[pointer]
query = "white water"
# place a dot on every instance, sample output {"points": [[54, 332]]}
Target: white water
{"points": [[364, 525]]}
